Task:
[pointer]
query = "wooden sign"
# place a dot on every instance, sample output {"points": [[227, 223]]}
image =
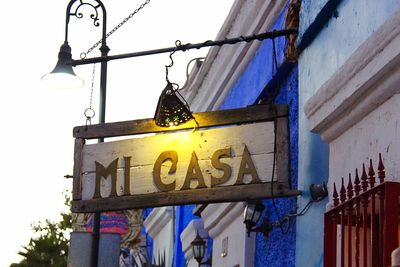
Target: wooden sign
{"points": [[244, 158]]}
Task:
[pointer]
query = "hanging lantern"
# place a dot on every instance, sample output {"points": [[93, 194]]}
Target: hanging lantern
{"points": [[172, 108], [199, 248]]}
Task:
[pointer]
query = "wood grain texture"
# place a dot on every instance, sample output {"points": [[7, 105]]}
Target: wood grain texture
{"points": [[205, 119], [253, 127], [282, 150], [209, 195], [77, 180], [258, 137]]}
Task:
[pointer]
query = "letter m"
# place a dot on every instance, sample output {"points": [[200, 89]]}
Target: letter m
{"points": [[111, 170]]}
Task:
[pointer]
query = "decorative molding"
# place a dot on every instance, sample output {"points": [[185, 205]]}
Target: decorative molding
{"points": [[223, 66], [157, 220], [365, 81], [217, 217]]}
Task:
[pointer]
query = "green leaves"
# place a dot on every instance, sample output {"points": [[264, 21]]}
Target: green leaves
{"points": [[50, 247]]}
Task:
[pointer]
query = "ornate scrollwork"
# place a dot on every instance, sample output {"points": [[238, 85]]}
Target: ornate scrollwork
{"points": [[94, 16]]}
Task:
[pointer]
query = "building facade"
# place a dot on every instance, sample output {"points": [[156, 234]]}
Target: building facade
{"points": [[234, 77], [340, 81]]}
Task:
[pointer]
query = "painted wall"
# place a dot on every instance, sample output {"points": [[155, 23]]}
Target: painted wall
{"points": [[353, 23], [184, 214], [309, 10], [356, 20], [278, 249]]}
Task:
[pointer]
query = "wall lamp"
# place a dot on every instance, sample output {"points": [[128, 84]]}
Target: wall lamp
{"points": [[199, 250], [254, 211]]}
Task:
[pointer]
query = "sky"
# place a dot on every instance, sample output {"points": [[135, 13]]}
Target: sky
{"points": [[37, 122]]}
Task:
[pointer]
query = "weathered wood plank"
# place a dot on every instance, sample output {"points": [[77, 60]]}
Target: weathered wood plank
{"points": [[259, 139], [77, 180], [282, 151], [250, 138], [210, 195], [256, 138], [205, 119]]}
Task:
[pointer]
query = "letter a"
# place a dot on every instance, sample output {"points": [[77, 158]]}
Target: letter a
{"points": [[247, 167], [193, 173]]}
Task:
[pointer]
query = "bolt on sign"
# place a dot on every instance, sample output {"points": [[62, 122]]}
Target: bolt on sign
{"points": [[234, 155]]}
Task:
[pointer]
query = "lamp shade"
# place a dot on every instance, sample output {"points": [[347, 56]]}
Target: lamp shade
{"points": [[63, 75], [252, 214], [199, 248], [172, 109]]}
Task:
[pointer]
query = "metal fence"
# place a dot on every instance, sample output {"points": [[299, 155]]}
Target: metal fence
{"points": [[362, 227]]}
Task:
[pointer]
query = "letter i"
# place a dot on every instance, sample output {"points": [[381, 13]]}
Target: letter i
{"points": [[127, 176]]}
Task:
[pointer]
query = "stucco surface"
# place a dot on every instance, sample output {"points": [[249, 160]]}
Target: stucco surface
{"points": [[340, 37], [277, 249]]}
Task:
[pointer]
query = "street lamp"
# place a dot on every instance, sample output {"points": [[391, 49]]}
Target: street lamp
{"points": [[64, 69], [63, 75]]}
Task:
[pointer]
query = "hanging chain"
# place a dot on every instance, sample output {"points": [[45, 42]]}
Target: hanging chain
{"points": [[177, 44], [84, 54], [89, 112]]}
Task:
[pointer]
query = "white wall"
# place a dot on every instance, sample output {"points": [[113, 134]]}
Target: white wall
{"points": [[160, 226], [356, 110], [225, 221]]}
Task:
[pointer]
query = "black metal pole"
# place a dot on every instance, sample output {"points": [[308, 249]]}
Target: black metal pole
{"points": [[103, 93], [102, 118], [184, 47]]}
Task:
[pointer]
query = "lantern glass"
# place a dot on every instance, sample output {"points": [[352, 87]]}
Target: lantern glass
{"points": [[249, 211], [199, 248], [252, 214]]}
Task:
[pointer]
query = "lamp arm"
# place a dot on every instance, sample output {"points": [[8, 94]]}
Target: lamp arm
{"points": [[265, 227]]}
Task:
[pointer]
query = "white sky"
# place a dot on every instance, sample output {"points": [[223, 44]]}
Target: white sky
{"points": [[36, 132]]}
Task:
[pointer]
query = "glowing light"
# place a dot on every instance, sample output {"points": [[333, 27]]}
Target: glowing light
{"points": [[62, 81]]}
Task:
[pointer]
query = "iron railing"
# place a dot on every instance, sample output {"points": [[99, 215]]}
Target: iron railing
{"points": [[362, 227]]}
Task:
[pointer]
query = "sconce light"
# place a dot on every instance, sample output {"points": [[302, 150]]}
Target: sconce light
{"points": [[252, 216], [318, 192], [199, 248], [253, 212], [63, 76], [172, 108]]}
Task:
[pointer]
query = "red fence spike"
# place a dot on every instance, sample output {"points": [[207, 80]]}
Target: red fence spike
{"points": [[381, 170], [335, 196], [371, 174], [357, 182], [342, 192], [350, 188], [364, 182]]}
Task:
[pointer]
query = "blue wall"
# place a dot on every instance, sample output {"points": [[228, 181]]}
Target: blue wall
{"points": [[184, 214], [278, 249], [338, 40]]}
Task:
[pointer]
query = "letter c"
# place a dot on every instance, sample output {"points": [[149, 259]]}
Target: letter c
{"points": [[164, 156]]}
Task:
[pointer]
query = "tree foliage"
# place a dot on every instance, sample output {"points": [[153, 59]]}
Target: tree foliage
{"points": [[50, 246]]}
